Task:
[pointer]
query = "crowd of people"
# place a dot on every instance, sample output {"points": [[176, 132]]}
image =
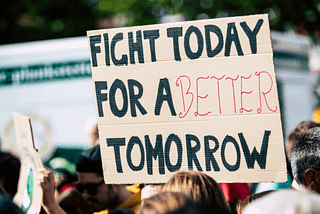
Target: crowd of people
{"points": [[79, 188]]}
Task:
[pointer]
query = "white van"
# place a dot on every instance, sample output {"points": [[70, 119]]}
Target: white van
{"points": [[49, 81]]}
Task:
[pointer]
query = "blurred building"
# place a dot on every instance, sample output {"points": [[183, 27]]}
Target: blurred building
{"points": [[50, 82], [296, 82]]}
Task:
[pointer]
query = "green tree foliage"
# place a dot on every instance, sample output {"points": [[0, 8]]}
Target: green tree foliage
{"points": [[30, 20]]}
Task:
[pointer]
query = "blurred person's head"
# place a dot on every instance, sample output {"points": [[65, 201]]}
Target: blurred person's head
{"points": [[64, 173], [94, 135], [200, 187], [286, 201], [100, 196], [150, 190], [72, 202], [9, 173], [169, 202], [121, 211], [243, 204], [8, 206], [305, 160], [295, 134]]}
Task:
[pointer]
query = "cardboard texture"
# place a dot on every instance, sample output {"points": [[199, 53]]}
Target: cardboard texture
{"points": [[197, 95], [28, 197]]}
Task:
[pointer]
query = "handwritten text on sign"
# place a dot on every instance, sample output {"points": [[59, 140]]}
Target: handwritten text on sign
{"points": [[164, 93]]}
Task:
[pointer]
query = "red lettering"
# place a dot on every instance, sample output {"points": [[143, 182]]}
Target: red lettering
{"points": [[244, 92], [196, 113], [218, 90], [187, 95], [234, 96], [181, 115], [259, 110]]}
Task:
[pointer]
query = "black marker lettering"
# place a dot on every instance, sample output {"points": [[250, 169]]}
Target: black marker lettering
{"points": [[170, 139], [175, 33], [118, 84], [189, 53], [209, 153], [134, 98], [255, 156], [214, 29], [156, 152], [252, 35], [164, 86], [152, 35], [232, 37], [95, 49], [229, 167], [191, 151], [106, 48], [124, 59], [116, 143], [135, 140], [99, 86], [135, 47]]}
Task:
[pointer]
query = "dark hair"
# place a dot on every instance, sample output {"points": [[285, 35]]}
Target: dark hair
{"points": [[121, 211], [90, 161], [306, 154], [10, 169], [68, 178], [295, 134]]}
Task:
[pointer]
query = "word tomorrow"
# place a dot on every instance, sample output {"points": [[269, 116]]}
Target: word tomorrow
{"points": [[161, 152]]}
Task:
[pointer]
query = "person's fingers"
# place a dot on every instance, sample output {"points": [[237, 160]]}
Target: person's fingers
{"points": [[45, 178], [43, 170], [40, 178], [46, 173]]}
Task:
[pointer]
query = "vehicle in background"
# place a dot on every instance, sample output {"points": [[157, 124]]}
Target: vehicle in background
{"points": [[50, 82]]}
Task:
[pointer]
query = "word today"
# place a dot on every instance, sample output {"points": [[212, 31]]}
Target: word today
{"points": [[135, 43]]}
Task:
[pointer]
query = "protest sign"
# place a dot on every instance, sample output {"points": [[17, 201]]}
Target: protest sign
{"points": [[198, 95], [28, 197]]}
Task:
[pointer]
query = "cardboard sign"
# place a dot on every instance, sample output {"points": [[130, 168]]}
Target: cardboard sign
{"points": [[28, 197], [197, 95]]}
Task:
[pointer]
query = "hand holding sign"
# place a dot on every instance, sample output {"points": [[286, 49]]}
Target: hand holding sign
{"points": [[47, 184]]}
